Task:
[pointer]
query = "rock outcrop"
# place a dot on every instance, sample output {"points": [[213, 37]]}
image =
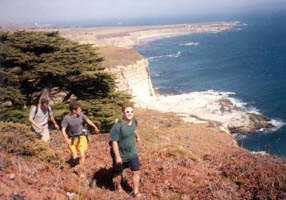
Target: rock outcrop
{"points": [[215, 108]]}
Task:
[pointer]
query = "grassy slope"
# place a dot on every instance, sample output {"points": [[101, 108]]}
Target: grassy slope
{"points": [[114, 56], [179, 161]]}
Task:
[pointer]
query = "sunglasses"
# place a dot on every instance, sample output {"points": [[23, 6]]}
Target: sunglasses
{"points": [[129, 111]]}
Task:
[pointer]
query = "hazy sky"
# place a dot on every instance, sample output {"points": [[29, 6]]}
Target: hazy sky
{"points": [[43, 11]]}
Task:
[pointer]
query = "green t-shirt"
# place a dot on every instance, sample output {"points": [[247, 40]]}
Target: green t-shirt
{"points": [[124, 134]]}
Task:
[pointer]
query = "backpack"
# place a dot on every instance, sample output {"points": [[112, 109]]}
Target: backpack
{"points": [[36, 111]]}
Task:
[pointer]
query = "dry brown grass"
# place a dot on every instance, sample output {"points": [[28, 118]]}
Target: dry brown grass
{"points": [[114, 56], [178, 161], [166, 130]]}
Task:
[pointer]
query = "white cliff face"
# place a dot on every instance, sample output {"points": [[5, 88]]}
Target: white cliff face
{"points": [[135, 79]]}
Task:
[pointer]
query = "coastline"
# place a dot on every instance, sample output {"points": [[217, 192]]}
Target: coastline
{"points": [[130, 36], [133, 74], [208, 107]]}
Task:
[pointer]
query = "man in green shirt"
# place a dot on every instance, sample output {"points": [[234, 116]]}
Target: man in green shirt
{"points": [[124, 151]]}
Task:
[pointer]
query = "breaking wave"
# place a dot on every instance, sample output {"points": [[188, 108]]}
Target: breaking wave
{"points": [[166, 56], [277, 123], [190, 44]]}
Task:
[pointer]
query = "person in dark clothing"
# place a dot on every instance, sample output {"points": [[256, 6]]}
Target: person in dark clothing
{"points": [[124, 152]]}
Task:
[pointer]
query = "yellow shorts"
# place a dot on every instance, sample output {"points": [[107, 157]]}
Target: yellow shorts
{"points": [[82, 146]]}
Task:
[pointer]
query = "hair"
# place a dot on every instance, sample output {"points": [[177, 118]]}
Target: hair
{"points": [[45, 96], [74, 105], [44, 101], [127, 105]]}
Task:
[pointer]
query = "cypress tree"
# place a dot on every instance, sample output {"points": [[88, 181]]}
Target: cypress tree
{"points": [[31, 61]]}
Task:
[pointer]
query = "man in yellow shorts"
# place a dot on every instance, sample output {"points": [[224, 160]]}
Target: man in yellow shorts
{"points": [[74, 133]]}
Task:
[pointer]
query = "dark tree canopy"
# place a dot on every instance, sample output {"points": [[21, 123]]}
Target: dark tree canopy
{"points": [[31, 61]]}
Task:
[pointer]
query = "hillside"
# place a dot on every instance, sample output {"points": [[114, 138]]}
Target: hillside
{"points": [[179, 161]]}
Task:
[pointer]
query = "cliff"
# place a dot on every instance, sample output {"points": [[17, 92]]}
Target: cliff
{"points": [[132, 72]]}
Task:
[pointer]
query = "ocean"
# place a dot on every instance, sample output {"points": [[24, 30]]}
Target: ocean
{"points": [[248, 63]]}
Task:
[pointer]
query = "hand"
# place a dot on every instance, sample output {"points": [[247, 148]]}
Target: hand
{"points": [[68, 141], [41, 127], [96, 129], [57, 126], [118, 160]]}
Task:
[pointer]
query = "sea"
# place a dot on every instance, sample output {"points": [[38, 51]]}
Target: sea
{"points": [[248, 63]]}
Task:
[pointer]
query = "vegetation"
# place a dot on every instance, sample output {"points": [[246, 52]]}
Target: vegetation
{"points": [[31, 61], [18, 139], [191, 161]]}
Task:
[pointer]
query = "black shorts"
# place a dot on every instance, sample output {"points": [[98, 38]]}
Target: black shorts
{"points": [[133, 164]]}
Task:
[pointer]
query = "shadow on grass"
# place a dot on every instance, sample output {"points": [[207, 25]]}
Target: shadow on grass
{"points": [[103, 178], [72, 163]]}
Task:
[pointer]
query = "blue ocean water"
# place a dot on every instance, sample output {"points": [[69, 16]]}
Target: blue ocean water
{"points": [[249, 60]]}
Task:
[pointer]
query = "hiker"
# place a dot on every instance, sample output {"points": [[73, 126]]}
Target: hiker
{"points": [[77, 136], [39, 117], [124, 153]]}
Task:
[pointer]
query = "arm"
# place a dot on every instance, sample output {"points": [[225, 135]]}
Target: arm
{"points": [[115, 149], [93, 125], [68, 141], [137, 137], [35, 123], [54, 121]]}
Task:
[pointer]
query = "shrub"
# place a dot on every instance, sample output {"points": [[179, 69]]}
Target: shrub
{"points": [[18, 139]]}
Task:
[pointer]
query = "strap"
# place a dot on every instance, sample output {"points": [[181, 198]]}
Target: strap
{"points": [[36, 111], [78, 136]]}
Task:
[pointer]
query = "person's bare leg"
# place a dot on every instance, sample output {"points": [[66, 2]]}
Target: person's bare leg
{"points": [[82, 158], [136, 180], [74, 155], [117, 179], [81, 163]]}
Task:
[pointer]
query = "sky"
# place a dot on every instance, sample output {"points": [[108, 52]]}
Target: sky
{"points": [[47, 11]]}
